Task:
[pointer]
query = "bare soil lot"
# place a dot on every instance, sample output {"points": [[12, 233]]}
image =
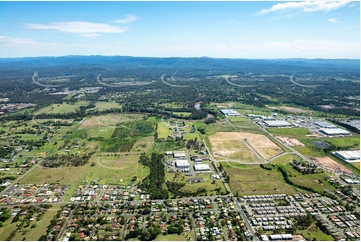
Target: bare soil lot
{"points": [[233, 145], [290, 109], [330, 164], [290, 141]]}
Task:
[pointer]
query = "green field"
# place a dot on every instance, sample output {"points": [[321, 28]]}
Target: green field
{"points": [[314, 233], [252, 180], [164, 129], [184, 114], [171, 237], [62, 108], [290, 132], [243, 123], [356, 164]]}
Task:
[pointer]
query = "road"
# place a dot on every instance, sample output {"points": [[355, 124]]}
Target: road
{"points": [[67, 223], [243, 215], [17, 179]]}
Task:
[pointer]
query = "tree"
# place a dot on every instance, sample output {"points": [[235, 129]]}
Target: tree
{"points": [[145, 235]]}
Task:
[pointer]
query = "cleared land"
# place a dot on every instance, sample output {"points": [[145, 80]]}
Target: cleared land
{"points": [[330, 164], [289, 109], [244, 123], [109, 120], [253, 180], [290, 141], [235, 145]]}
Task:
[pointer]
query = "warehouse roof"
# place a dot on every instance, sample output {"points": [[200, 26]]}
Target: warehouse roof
{"points": [[334, 131], [278, 123]]}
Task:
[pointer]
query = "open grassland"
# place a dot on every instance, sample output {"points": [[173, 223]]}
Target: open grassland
{"points": [[253, 180], [313, 233], [62, 108], [315, 181], [356, 164], [220, 126], [107, 170], [207, 184], [344, 142], [40, 229], [105, 105], [164, 129], [184, 114], [109, 120], [243, 123], [289, 109], [236, 144], [143, 145], [290, 132], [172, 237]]}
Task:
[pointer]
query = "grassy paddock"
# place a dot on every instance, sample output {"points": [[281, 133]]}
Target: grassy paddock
{"points": [[253, 180]]}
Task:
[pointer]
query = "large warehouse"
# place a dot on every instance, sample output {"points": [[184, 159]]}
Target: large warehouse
{"points": [[325, 125], [230, 112], [278, 123], [179, 154], [350, 156], [182, 164], [334, 132], [202, 167]]}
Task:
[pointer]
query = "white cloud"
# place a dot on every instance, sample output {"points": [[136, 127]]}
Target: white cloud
{"points": [[24, 41], [128, 19], [307, 6], [333, 20], [90, 35], [78, 27]]}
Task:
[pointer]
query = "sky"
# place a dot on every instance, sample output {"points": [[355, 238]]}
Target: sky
{"points": [[252, 29]]}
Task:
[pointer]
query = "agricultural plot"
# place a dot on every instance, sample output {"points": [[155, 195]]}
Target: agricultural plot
{"points": [[253, 180], [247, 146]]}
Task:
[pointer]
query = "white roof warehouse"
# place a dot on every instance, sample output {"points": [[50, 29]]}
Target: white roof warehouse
{"points": [[279, 123]]}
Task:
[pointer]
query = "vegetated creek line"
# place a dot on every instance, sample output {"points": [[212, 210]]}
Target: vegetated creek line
{"points": [[197, 106]]}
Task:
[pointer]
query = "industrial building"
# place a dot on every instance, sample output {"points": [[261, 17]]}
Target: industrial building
{"points": [[350, 156], [179, 154], [279, 123], [202, 167], [230, 112], [334, 132], [325, 125], [182, 164]]}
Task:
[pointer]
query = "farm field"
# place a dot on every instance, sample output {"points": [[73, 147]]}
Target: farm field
{"points": [[253, 180], [237, 144]]}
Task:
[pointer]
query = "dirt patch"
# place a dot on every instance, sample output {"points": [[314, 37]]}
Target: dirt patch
{"points": [[289, 109], [290, 141], [240, 144], [330, 164]]}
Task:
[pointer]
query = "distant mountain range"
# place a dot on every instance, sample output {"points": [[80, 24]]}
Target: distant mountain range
{"points": [[203, 63]]}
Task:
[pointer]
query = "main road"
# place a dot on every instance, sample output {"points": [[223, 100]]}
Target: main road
{"points": [[244, 217]]}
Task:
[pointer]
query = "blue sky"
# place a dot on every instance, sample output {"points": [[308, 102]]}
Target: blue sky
{"points": [[185, 29]]}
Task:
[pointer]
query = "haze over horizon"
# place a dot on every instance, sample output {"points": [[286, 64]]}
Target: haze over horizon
{"points": [[248, 30]]}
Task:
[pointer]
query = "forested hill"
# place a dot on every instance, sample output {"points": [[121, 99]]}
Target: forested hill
{"points": [[204, 63]]}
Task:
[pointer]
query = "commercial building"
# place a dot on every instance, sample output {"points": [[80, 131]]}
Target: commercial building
{"points": [[350, 156], [325, 125], [230, 112], [179, 154], [334, 132], [202, 167], [182, 164], [278, 123]]}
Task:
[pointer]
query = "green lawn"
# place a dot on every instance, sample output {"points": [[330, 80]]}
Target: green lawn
{"points": [[171, 237], [243, 123]]}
